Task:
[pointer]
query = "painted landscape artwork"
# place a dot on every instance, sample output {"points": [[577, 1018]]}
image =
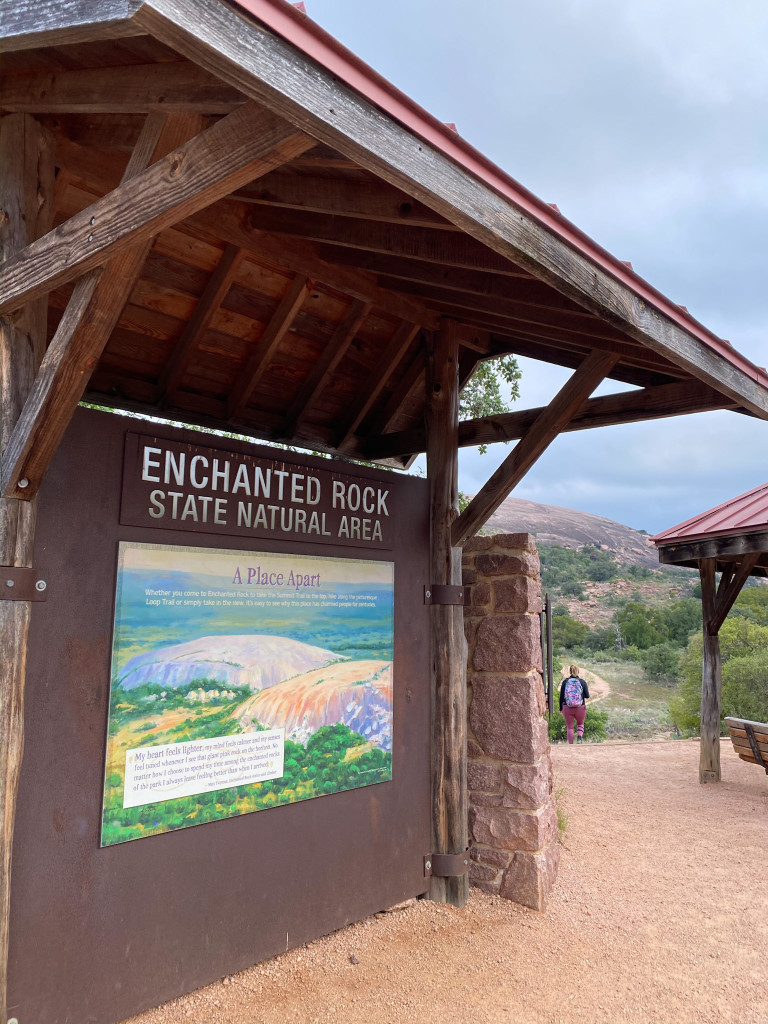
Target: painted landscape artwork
{"points": [[243, 680]]}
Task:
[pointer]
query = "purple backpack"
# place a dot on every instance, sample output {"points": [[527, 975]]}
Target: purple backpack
{"points": [[574, 692]]}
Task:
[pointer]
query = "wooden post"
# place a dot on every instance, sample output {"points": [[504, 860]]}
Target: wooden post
{"points": [[450, 827], [26, 212], [709, 751]]}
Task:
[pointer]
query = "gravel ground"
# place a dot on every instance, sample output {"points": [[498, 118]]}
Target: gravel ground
{"points": [[660, 913]]}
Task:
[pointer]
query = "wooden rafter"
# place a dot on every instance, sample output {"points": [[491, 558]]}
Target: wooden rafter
{"points": [[180, 87], [733, 546], [377, 379], [240, 147], [262, 355], [551, 350], [607, 410], [199, 322], [367, 200], [434, 245], [559, 312], [230, 220], [537, 438], [332, 355], [488, 281]]}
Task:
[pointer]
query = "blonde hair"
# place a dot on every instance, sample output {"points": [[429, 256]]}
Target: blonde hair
{"points": [[573, 669]]}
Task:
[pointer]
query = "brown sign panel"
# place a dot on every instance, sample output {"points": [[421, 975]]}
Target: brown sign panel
{"points": [[98, 934], [171, 485]]}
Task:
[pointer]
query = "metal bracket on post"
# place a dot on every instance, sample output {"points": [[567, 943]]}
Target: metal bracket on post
{"points": [[446, 865], [20, 584], [441, 593]]}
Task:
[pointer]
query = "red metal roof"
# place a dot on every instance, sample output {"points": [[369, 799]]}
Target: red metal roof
{"points": [[746, 514], [284, 19]]}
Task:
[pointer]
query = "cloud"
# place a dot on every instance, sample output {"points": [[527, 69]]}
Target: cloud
{"points": [[645, 121]]}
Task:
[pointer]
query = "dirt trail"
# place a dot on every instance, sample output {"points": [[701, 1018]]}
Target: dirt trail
{"points": [[599, 688], [659, 915]]}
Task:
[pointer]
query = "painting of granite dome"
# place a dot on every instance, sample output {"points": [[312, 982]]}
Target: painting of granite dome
{"points": [[251, 660]]}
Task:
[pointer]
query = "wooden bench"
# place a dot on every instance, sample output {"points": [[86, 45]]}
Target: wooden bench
{"points": [[750, 740]]}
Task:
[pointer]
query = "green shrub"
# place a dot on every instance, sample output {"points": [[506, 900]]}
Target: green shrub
{"points": [[661, 662]]}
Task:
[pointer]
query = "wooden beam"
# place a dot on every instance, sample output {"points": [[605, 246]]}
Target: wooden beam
{"points": [[377, 379], [199, 322], [91, 315], [450, 827], [411, 381], [239, 148], [729, 589], [709, 744], [731, 546], [432, 244], [26, 201], [168, 88], [366, 200], [231, 221], [537, 438], [267, 345], [30, 24], [498, 280], [665, 400], [265, 66], [332, 355]]}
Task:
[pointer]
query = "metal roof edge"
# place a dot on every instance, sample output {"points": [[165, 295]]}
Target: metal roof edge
{"points": [[297, 28], [676, 534]]}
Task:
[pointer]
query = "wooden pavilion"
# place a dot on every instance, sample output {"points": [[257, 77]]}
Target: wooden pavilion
{"points": [[732, 540], [214, 213]]}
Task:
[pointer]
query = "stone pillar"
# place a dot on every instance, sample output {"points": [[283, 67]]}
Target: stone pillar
{"points": [[512, 818]]}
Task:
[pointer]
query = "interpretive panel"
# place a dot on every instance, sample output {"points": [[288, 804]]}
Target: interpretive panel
{"points": [[243, 680]]}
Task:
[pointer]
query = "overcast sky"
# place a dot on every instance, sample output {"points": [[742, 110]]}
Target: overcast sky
{"points": [[646, 121]]}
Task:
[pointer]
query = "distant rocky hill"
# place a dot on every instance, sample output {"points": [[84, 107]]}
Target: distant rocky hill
{"points": [[566, 528], [255, 661], [356, 693]]}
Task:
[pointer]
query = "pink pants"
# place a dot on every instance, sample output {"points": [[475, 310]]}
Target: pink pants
{"points": [[577, 715]]}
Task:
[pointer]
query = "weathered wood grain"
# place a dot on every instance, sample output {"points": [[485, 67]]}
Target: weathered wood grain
{"points": [[450, 828], [434, 245], [607, 410], [332, 355], [385, 366], [709, 745], [367, 200], [278, 327], [29, 24], [242, 146], [715, 547], [26, 202], [266, 67], [91, 315], [200, 321], [230, 221], [168, 88], [537, 438]]}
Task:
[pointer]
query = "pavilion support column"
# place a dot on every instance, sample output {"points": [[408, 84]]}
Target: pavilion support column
{"points": [[26, 213], [709, 751], [448, 648]]}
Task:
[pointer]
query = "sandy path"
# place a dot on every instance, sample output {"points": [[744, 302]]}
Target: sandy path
{"points": [[599, 688], [660, 914]]}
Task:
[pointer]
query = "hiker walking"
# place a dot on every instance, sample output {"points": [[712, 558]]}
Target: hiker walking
{"points": [[573, 695]]}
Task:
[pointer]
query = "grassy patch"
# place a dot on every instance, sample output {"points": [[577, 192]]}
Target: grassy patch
{"points": [[637, 708]]}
